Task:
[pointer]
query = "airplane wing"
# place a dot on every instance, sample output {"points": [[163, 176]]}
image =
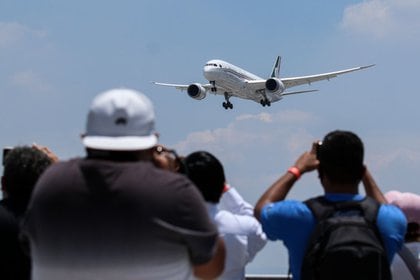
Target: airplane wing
{"points": [[256, 85], [297, 81], [181, 87]]}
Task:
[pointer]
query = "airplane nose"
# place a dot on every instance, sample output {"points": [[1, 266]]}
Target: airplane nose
{"points": [[210, 74]]}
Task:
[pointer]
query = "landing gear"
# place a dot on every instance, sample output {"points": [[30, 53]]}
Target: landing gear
{"points": [[265, 102], [213, 86], [227, 104]]}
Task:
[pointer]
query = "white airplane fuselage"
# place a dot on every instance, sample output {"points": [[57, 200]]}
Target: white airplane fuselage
{"points": [[230, 77]]}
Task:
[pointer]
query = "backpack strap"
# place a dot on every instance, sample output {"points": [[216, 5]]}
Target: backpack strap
{"points": [[323, 208], [320, 207], [410, 261]]}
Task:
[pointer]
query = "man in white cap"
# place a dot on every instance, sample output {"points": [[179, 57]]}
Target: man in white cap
{"points": [[114, 214]]}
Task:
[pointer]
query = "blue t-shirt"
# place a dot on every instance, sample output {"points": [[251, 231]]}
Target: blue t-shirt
{"points": [[293, 222]]}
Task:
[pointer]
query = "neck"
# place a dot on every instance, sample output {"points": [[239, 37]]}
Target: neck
{"points": [[120, 155], [333, 187]]}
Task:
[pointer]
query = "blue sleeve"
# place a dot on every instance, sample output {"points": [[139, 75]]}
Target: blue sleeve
{"points": [[287, 219], [292, 222], [392, 225]]}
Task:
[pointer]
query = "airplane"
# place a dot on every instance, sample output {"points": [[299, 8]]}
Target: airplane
{"points": [[230, 80]]}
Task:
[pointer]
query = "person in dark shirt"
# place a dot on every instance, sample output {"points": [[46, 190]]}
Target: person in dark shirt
{"points": [[114, 214]]}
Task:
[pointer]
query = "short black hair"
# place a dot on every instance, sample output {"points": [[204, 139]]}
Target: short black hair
{"points": [[23, 166], [207, 173], [341, 157]]}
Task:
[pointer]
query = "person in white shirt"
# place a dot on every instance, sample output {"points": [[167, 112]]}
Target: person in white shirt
{"points": [[233, 216]]}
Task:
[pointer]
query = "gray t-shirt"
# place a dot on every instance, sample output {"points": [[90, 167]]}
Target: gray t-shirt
{"points": [[97, 219]]}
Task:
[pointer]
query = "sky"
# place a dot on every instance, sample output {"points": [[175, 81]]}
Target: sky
{"points": [[56, 56]]}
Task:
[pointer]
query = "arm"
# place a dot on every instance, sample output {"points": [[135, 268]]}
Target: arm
{"points": [[278, 191], [213, 268], [233, 202], [371, 188], [244, 221], [53, 157]]}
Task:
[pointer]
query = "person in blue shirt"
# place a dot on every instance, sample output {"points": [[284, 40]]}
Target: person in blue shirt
{"points": [[339, 162]]}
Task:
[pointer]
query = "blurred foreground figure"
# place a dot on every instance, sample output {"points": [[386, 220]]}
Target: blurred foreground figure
{"points": [[114, 214], [23, 166]]}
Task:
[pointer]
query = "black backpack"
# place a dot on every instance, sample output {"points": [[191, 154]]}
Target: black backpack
{"points": [[345, 243]]}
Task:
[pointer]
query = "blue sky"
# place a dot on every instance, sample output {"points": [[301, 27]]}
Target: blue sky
{"points": [[55, 56]]}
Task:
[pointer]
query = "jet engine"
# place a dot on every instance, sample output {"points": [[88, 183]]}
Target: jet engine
{"points": [[196, 91], [274, 85]]}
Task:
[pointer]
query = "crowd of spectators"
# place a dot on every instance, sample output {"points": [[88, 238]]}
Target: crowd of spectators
{"points": [[132, 208]]}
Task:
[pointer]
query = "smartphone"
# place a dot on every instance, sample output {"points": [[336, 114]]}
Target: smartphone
{"points": [[6, 150]]}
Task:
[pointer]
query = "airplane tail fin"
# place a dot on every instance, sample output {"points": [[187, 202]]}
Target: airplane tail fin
{"points": [[276, 69]]}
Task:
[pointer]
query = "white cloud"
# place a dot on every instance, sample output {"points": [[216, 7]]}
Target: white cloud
{"points": [[11, 33], [23, 46], [264, 117], [253, 135], [29, 81], [285, 117], [383, 19], [255, 147], [385, 160]]}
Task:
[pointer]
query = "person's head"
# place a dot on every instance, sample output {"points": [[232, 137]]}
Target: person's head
{"points": [[207, 173], [23, 166], [340, 158], [120, 125], [409, 203], [167, 159]]}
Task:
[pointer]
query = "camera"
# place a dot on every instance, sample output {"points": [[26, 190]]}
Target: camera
{"points": [[318, 149]]}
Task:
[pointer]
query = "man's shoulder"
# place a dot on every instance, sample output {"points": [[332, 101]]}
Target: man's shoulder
{"points": [[389, 213], [151, 173], [236, 224], [287, 210], [63, 166], [286, 206], [225, 216]]}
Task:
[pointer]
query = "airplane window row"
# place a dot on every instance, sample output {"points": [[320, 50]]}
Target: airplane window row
{"points": [[213, 64]]}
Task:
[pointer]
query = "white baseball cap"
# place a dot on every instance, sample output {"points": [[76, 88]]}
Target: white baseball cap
{"points": [[120, 120]]}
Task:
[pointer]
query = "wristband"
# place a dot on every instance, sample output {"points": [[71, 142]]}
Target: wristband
{"points": [[295, 171]]}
